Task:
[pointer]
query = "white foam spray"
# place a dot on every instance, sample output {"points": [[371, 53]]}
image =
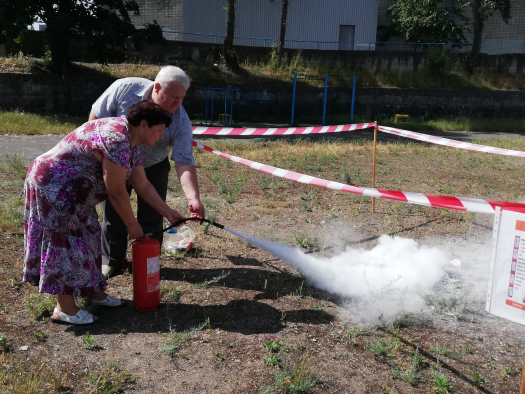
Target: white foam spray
{"points": [[386, 280]]}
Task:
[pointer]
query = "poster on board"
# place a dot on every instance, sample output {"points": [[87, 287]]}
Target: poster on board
{"points": [[506, 287]]}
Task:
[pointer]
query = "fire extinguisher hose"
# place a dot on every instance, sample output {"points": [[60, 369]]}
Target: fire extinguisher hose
{"points": [[179, 222]]}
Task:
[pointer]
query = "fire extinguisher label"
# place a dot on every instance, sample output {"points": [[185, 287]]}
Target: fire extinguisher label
{"points": [[153, 274]]}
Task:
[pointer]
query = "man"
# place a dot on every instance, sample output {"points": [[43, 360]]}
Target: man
{"points": [[168, 91]]}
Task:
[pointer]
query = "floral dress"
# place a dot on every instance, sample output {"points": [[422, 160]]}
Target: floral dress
{"points": [[62, 235]]}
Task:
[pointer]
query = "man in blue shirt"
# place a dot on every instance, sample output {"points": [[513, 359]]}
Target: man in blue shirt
{"points": [[168, 90]]}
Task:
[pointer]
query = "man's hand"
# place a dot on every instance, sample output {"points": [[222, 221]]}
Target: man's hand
{"points": [[173, 216], [196, 208]]}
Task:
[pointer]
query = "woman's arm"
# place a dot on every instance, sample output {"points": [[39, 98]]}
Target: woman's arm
{"points": [[115, 181], [148, 193]]}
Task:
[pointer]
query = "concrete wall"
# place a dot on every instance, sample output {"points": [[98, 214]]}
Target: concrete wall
{"points": [[46, 93], [182, 53]]}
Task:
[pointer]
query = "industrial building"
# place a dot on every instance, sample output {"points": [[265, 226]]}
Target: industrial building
{"points": [[312, 24]]}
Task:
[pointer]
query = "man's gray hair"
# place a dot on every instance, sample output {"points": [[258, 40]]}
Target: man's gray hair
{"points": [[168, 74]]}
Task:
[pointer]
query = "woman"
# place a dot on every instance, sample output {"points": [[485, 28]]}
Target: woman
{"points": [[62, 251]]}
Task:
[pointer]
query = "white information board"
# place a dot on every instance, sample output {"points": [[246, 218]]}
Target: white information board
{"points": [[506, 292]]}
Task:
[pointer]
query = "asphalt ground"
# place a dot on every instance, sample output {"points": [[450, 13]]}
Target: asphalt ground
{"points": [[28, 147]]}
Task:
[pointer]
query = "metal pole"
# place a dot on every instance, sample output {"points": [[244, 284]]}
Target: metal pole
{"points": [[293, 96], [211, 114], [421, 47], [522, 390], [324, 98], [206, 105], [231, 107], [353, 100], [317, 45], [225, 113], [374, 167]]}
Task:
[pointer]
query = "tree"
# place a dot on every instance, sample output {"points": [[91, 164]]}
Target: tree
{"points": [[427, 21], [227, 51], [103, 24], [481, 11], [284, 15]]}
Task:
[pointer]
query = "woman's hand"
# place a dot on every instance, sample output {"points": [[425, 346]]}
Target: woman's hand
{"points": [[135, 230], [172, 215]]}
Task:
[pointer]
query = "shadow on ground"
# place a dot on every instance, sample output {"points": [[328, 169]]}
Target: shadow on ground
{"points": [[241, 316]]}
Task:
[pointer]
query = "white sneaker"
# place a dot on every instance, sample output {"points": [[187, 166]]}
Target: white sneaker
{"points": [[107, 270]]}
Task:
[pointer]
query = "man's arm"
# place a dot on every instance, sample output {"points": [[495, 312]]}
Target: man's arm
{"points": [[187, 175], [92, 116]]}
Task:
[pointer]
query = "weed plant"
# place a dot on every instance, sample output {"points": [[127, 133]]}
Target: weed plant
{"points": [[110, 380], [383, 347], [441, 383], [296, 376], [177, 339], [409, 375], [4, 345], [510, 371], [272, 360], [274, 346], [40, 305], [212, 281], [206, 227], [305, 241], [478, 379], [446, 352], [412, 320], [174, 293], [89, 341]]}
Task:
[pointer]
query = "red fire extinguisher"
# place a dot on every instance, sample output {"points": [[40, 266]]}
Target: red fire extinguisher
{"points": [[146, 274]]}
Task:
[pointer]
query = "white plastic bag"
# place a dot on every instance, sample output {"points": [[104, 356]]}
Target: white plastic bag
{"points": [[179, 239]]}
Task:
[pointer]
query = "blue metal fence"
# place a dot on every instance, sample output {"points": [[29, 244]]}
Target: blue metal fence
{"points": [[362, 45]]}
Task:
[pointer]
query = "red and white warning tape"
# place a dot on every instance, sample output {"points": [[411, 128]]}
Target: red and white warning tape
{"points": [[244, 131], [448, 142], [450, 202]]}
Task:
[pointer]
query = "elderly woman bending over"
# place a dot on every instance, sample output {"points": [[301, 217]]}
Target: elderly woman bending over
{"points": [[62, 243]]}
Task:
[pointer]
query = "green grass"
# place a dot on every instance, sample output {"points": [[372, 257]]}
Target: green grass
{"points": [[12, 215], [16, 122]]}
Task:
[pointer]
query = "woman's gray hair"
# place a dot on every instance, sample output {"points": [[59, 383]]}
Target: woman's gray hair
{"points": [[168, 74]]}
